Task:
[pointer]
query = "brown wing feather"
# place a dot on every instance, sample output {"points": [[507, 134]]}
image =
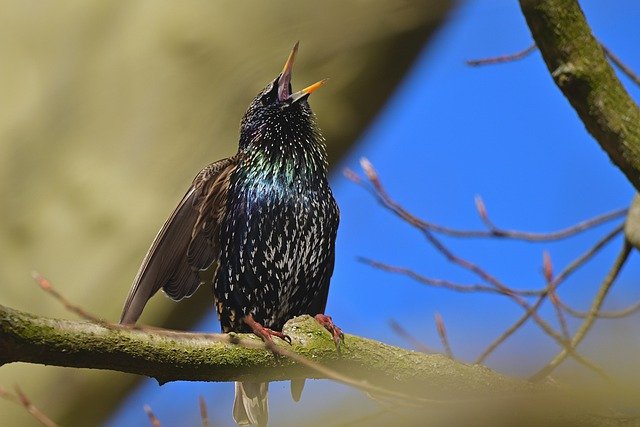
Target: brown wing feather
{"points": [[212, 201], [168, 264]]}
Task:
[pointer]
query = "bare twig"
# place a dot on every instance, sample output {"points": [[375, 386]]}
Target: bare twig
{"points": [[442, 333], [605, 287], [621, 65], [529, 50], [203, 412], [547, 267], [155, 422], [492, 280], [441, 283], [613, 314], [482, 212], [502, 58], [493, 232], [553, 296], [572, 267], [417, 344], [351, 175], [47, 286], [6, 395], [20, 398], [530, 311]]}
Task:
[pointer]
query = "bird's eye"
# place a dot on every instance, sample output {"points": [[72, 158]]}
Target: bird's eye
{"points": [[269, 94]]}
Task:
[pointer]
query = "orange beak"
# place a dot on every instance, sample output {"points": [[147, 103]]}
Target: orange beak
{"points": [[307, 91], [284, 81]]}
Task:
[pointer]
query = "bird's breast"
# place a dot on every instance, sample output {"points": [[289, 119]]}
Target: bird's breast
{"points": [[281, 236]]}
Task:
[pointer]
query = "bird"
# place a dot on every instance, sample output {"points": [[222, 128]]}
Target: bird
{"points": [[260, 227]]}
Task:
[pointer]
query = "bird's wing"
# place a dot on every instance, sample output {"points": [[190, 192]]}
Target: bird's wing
{"points": [[211, 204], [178, 252]]}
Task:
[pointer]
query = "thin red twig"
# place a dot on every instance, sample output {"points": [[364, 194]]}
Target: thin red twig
{"points": [[442, 333], [588, 322], [621, 65], [47, 286], [20, 398], [572, 267], [155, 422], [613, 314], [547, 267], [204, 416], [615, 59], [530, 311], [493, 231], [502, 58], [447, 284], [415, 343]]}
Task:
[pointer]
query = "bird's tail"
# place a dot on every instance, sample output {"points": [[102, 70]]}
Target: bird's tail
{"points": [[297, 385], [251, 404]]}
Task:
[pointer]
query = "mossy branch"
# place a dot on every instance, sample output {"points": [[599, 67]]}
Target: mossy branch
{"points": [[169, 355], [579, 67]]}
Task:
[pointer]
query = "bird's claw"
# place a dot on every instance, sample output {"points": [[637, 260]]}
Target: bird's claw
{"points": [[284, 337], [265, 333], [336, 332]]}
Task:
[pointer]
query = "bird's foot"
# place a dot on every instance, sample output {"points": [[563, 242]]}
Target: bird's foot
{"points": [[327, 323], [264, 333]]}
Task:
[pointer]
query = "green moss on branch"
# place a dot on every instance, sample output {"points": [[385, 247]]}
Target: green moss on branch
{"points": [[170, 356], [462, 389]]}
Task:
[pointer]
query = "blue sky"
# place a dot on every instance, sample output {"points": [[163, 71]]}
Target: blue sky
{"points": [[451, 132]]}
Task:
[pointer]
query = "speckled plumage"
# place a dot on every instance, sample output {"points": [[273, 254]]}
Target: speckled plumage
{"points": [[261, 225], [278, 233]]}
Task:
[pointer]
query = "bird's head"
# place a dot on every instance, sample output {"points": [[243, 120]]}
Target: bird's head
{"points": [[277, 113]]}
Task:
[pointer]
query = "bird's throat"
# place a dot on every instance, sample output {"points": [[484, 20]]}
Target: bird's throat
{"points": [[289, 162]]}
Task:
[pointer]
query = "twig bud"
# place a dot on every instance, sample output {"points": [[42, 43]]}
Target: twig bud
{"points": [[371, 173], [482, 210], [547, 266], [351, 175], [41, 281], [155, 422]]}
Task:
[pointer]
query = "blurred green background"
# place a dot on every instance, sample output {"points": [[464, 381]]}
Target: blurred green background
{"points": [[109, 108]]}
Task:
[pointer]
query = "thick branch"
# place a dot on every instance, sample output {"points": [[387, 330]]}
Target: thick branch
{"points": [[169, 356], [579, 67]]}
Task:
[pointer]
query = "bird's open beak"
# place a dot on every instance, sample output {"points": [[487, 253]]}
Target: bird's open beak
{"points": [[284, 81], [294, 97]]}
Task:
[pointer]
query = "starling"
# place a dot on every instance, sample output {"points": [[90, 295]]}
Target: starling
{"points": [[262, 224]]}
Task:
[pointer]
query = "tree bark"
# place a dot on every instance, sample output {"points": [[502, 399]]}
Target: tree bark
{"points": [[580, 69]]}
